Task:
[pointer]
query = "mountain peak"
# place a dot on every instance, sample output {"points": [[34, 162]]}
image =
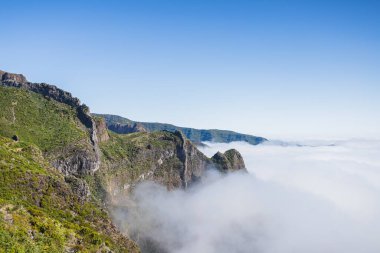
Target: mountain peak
{"points": [[6, 76]]}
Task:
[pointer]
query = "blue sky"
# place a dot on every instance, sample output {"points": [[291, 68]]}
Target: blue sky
{"points": [[272, 68]]}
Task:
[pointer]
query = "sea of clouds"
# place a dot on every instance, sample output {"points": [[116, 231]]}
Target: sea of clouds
{"points": [[305, 197]]}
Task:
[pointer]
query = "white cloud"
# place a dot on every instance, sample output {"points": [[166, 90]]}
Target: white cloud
{"points": [[295, 199]]}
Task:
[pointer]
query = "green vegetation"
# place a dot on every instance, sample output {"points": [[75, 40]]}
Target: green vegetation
{"points": [[35, 119], [122, 146], [43, 210], [195, 135], [39, 211], [128, 157]]}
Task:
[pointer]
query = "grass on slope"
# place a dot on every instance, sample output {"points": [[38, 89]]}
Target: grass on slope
{"points": [[127, 145], [39, 211], [38, 120]]}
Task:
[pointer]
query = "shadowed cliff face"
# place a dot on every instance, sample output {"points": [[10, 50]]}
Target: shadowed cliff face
{"points": [[163, 157]]}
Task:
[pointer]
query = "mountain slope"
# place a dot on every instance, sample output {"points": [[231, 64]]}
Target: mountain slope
{"points": [[53, 120], [122, 125], [63, 174], [41, 210], [47, 148], [163, 157]]}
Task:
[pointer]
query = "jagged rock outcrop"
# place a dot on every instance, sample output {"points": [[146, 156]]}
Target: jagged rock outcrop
{"points": [[74, 160], [229, 161], [79, 188], [194, 162], [5, 76], [167, 158], [101, 129], [163, 157]]}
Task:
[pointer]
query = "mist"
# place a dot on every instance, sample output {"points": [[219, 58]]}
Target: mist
{"points": [[304, 197]]}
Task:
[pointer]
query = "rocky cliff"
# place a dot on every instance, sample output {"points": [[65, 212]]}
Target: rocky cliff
{"points": [[164, 157], [101, 129], [5, 76], [63, 162], [230, 161]]}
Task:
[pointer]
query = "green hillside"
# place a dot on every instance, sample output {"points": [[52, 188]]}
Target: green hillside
{"points": [[41, 212], [41, 209], [63, 174], [35, 119]]}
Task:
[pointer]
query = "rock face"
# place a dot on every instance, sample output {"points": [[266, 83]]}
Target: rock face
{"points": [[230, 161], [167, 158], [72, 160], [163, 157], [194, 162], [101, 129], [76, 161], [5, 76], [79, 187]]}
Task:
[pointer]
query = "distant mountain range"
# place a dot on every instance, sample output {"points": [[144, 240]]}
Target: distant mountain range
{"points": [[123, 125]]}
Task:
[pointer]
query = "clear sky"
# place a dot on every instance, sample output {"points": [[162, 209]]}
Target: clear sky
{"points": [[272, 68]]}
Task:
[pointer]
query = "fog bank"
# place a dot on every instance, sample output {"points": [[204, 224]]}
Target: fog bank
{"points": [[312, 198]]}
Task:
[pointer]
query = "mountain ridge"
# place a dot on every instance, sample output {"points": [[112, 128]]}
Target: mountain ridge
{"points": [[123, 125]]}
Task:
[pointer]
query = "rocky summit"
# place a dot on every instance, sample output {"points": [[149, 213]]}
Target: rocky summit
{"points": [[62, 169]]}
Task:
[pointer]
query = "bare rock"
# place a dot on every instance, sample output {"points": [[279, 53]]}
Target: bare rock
{"points": [[230, 161], [5, 76], [79, 188], [101, 129]]}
